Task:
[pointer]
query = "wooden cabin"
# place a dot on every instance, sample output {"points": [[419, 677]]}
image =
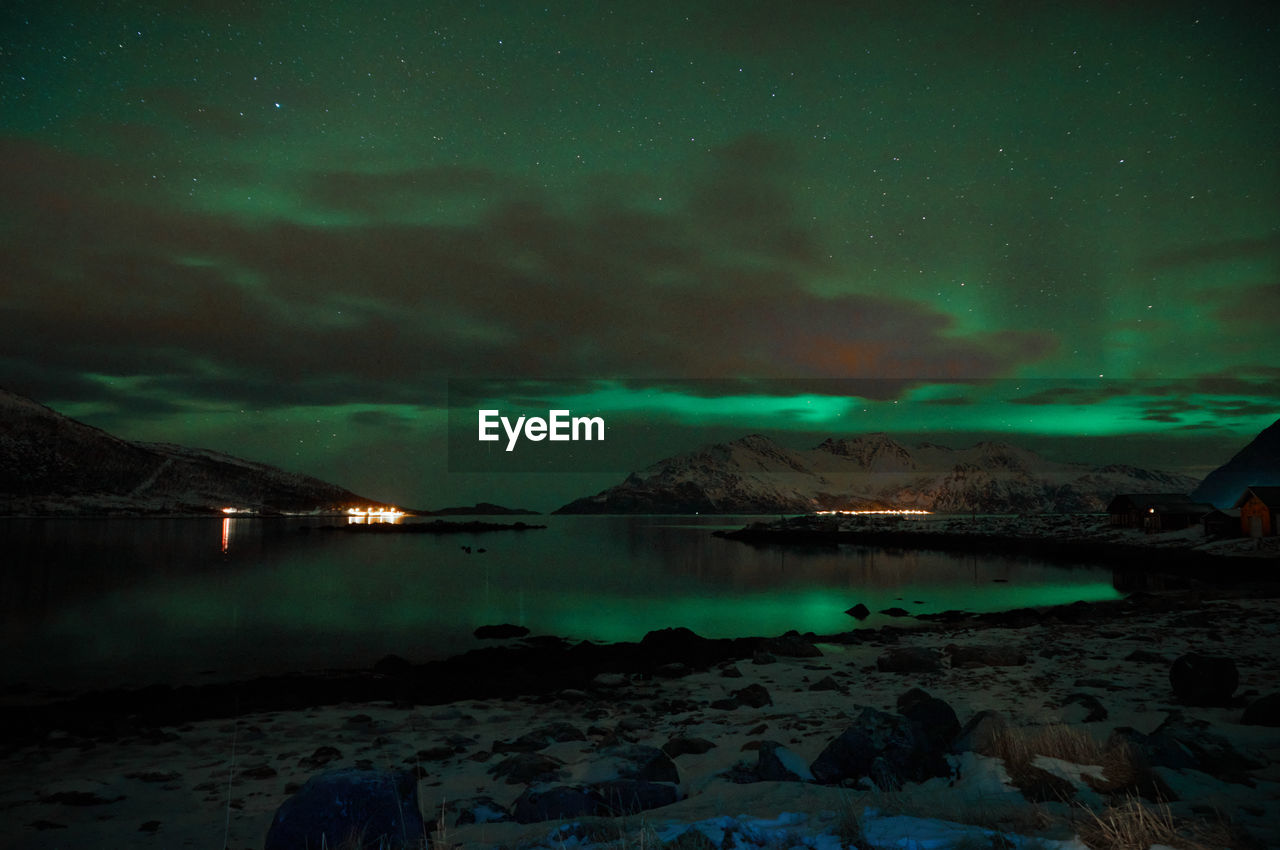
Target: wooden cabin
{"points": [[1258, 509], [1221, 523], [1156, 512]]}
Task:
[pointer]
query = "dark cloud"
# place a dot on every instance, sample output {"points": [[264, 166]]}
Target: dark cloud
{"points": [[291, 314], [1248, 307], [1222, 251]]}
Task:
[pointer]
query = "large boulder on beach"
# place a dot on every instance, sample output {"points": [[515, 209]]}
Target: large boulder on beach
{"points": [[629, 796], [536, 804], [754, 696], [1204, 679], [633, 761], [909, 659], [524, 768], [887, 748], [1182, 743], [934, 715], [683, 745], [380, 805]]}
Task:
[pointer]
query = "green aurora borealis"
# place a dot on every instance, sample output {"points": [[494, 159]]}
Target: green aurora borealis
{"points": [[278, 230]]}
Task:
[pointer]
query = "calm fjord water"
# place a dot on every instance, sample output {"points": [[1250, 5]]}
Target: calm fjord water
{"points": [[90, 603]]}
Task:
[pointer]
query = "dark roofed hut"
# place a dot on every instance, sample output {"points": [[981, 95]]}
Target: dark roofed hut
{"points": [[1222, 523], [1258, 508], [1156, 512]]}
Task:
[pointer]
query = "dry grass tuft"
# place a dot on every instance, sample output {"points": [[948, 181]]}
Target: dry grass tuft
{"points": [[1018, 748], [1134, 824]]}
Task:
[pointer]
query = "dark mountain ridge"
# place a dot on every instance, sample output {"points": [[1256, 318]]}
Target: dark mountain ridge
{"points": [[1257, 464], [52, 464]]}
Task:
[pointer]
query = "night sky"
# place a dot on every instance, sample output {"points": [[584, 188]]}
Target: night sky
{"points": [[278, 230]]}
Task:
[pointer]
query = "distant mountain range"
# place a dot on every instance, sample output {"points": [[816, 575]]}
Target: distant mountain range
{"points": [[51, 464], [757, 475], [1256, 464]]}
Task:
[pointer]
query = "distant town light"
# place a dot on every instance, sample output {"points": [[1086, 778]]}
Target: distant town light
{"points": [[885, 512], [374, 514]]}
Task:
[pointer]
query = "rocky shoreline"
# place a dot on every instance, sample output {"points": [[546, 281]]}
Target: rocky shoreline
{"points": [[1055, 538], [513, 745]]}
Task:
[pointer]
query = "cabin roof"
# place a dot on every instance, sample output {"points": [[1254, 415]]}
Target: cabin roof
{"points": [[1268, 495]]}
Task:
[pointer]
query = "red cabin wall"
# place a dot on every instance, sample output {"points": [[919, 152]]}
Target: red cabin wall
{"points": [[1254, 507]]}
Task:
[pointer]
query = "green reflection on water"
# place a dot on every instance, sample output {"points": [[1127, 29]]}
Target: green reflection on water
{"points": [[332, 600]]}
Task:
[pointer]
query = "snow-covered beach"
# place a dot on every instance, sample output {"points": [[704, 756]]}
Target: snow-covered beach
{"points": [[736, 743]]}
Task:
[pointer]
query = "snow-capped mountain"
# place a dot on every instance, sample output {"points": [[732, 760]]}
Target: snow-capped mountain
{"points": [[756, 475], [1256, 464], [50, 463]]}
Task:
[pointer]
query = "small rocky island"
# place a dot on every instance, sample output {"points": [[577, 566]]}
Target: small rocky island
{"points": [[1070, 537]]}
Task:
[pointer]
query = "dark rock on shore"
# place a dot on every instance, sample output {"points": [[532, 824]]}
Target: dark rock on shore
{"points": [[755, 696], [886, 748], [680, 746], [540, 738], [909, 659], [382, 806], [1183, 744], [936, 718], [611, 798], [1264, 711], [1092, 708], [526, 768], [321, 757], [791, 645], [896, 612], [826, 683], [985, 656], [628, 796], [639, 761], [859, 612], [536, 805], [545, 666], [1204, 679]]}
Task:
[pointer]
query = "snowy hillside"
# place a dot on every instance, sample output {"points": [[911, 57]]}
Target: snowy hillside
{"points": [[756, 475]]}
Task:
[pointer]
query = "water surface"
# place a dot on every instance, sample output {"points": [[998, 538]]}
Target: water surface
{"points": [[93, 602]]}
